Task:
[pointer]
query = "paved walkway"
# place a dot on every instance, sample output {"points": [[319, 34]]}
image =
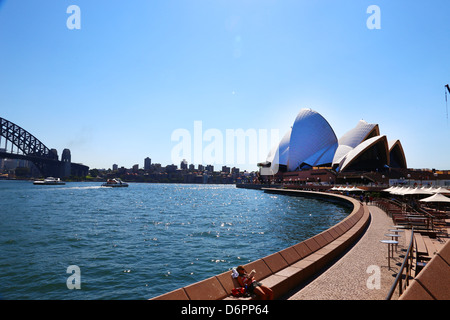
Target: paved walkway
{"points": [[352, 276]]}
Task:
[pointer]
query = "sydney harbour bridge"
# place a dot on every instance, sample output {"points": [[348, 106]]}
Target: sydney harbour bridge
{"points": [[18, 143]]}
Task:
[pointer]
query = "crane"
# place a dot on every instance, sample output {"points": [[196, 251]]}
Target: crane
{"points": [[447, 88]]}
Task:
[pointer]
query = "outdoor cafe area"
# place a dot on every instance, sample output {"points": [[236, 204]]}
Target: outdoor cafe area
{"points": [[427, 209], [423, 211]]}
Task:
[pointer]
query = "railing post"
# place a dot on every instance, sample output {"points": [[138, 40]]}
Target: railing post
{"points": [[407, 264]]}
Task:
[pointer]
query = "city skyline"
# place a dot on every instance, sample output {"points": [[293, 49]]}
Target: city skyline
{"points": [[116, 89], [184, 165]]}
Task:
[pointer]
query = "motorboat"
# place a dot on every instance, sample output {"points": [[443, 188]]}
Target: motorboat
{"points": [[49, 181], [115, 183]]}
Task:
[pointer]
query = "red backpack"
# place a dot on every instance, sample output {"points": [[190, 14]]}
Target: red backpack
{"points": [[238, 292]]}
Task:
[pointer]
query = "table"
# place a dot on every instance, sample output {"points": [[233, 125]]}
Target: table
{"points": [[393, 236], [396, 230], [389, 243], [399, 226]]}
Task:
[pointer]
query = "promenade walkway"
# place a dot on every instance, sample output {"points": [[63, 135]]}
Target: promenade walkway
{"points": [[348, 278]]}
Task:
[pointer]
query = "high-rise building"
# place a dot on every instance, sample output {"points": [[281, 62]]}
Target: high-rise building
{"points": [[147, 164], [184, 165]]}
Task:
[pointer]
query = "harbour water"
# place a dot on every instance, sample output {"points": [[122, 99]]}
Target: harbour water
{"points": [[144, 240]]}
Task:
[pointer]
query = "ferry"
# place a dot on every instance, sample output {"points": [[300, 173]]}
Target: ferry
{"points": [[49, 181], [115, 183]]}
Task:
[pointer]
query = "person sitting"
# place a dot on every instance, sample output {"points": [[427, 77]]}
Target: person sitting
{"points": [[253, 287]]}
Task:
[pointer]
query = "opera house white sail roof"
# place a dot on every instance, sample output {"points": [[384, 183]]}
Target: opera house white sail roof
{"points": [[279, 154], [311, 142], [352, 139], [360, 150], [397, 155]]}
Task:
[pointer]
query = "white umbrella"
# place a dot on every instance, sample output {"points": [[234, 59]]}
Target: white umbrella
{"points": [[436, 198], [441, 190], [401, 191], [418, 191], [394, 189], [356, 189]]}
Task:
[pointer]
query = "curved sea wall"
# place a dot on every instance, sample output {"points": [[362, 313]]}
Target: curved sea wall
{"points": [[284, 270]]}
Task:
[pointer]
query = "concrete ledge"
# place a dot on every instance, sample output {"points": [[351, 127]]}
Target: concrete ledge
{"points": [[290, 255], [275, 262], [284, 270], [178, 294]]}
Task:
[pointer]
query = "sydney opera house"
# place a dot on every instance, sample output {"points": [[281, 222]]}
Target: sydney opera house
{"points": [[312, 144]]}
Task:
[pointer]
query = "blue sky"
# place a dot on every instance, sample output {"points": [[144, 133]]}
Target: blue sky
{"points": [[115, 90]]}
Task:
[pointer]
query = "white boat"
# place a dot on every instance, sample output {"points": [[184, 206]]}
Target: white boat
{"points": [[49, 181], [115, 183]]}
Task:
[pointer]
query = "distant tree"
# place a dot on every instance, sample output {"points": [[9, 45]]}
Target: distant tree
{"points": [[93, 173]]}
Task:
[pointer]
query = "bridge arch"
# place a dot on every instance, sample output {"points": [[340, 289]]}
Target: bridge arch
{"points": [[24, 141], [28, 147]]}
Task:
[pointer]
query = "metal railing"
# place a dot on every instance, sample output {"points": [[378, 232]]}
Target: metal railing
{"points": [[407, 267]]}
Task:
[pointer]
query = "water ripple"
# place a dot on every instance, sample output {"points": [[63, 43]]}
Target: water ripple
{"points": [[141, 241]]}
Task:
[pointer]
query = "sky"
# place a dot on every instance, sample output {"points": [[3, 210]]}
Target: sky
{"points": [[134, 75]]}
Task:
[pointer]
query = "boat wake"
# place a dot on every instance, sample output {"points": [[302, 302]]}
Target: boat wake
{"points": [[79, 188]]}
